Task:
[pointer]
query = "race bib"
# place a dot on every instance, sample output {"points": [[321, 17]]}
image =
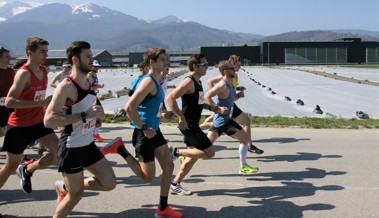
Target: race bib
{"points": [[2, 101], [201, 97], [40, 95], [89, 126]]}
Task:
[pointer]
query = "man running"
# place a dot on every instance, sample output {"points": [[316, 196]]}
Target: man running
{"points": [[77, 149], [62, 74], [143, 109], [27, 97], [223, 123], [6, 80], [237, 114], [191, 92]]}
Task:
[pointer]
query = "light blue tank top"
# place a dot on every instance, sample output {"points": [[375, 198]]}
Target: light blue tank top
{"points": [[219, 119], [149, 109]]}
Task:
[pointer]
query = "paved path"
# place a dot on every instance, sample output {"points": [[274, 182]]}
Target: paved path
{"points": [[304, 173]]}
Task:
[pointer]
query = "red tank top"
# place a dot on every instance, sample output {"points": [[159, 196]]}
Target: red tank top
{"points": [[23, 117]]}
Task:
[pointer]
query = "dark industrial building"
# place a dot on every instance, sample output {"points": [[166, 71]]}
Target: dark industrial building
{"points": [[250, 55], [341, 51]]}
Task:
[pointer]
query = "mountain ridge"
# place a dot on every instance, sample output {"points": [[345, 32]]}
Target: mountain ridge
{"points": [[115, 31]]}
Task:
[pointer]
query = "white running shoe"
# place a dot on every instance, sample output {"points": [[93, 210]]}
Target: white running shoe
{"points": [[179, 190]]}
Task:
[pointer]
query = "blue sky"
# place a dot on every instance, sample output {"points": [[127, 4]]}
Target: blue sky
{"points": [[266, 17]]}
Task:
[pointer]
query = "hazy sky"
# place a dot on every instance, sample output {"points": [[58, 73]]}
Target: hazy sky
{"points": [[266, 17]]}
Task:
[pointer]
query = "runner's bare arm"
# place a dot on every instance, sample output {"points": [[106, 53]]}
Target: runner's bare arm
{"points": [[185, 87], [146, 87], [21, 82], [213, 81], [63, 95]]}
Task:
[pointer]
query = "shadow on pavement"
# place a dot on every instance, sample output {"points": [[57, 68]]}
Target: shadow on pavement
{"points": [[281, 140], [299, 156]]}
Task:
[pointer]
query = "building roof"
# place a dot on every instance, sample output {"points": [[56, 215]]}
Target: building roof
{"points": [[61, 54]]}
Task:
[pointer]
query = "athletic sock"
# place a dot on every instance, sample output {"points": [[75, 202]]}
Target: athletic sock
{"points": [[242, 153], [123, 152], [163, 202]]}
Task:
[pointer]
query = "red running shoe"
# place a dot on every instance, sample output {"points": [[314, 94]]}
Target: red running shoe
{"points": [[60, 193], [98, 137], [112, 147], [168, 213]]}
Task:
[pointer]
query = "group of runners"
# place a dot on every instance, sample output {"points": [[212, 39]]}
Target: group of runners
{"points": [[27, 111]]}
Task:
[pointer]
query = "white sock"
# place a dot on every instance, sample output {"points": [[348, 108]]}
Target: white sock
{"points": [[242, 152], [96, 131]]}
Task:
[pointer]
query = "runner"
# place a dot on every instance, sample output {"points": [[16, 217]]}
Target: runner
{"points": [[95, 86], [223, 123], [27, 97], [191, 93], [238, 115], [6, 80], [143, 109], [143, 71], [77, 150], [62, 74]]}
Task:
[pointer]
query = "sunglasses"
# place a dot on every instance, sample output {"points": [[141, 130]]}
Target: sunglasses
{"points": [[203, 64]]}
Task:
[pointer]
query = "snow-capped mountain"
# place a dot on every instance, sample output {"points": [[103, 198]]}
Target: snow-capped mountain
{"points": [[105, 28], [11, 8]]}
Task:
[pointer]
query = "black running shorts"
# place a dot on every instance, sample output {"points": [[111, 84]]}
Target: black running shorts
{"points": [[195, 137], [236, 111], [74, 160], [145, 147], [4, 115], [230, 128], [17, 138]]}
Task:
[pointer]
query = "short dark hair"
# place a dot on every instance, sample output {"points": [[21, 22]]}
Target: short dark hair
{"points": [[3, 50], [75, 49], [152, 54], [142, 64], [32, 43], [18, 64], [194, 59]]}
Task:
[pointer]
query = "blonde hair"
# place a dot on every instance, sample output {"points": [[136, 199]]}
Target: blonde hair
{"points": [[223, 65], [234, 58]]}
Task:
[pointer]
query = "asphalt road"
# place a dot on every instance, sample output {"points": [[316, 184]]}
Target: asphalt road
{"points": [[303, 173]]}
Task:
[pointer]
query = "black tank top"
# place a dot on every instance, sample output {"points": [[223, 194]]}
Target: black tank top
{"points": [[192, 104]]}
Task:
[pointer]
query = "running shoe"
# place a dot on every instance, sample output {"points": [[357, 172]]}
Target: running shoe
{"points": [[112, 147], [174, 152], [179, 190], [25, 183], [254, 149], [168, 213], [60, 193], [98, 137], [181, 159], [247, 169], [120, 113]]}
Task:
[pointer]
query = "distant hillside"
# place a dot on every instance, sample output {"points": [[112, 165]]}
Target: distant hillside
{"points": [[108, 29], [359, 32], [115, 31], [317, 35]]}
